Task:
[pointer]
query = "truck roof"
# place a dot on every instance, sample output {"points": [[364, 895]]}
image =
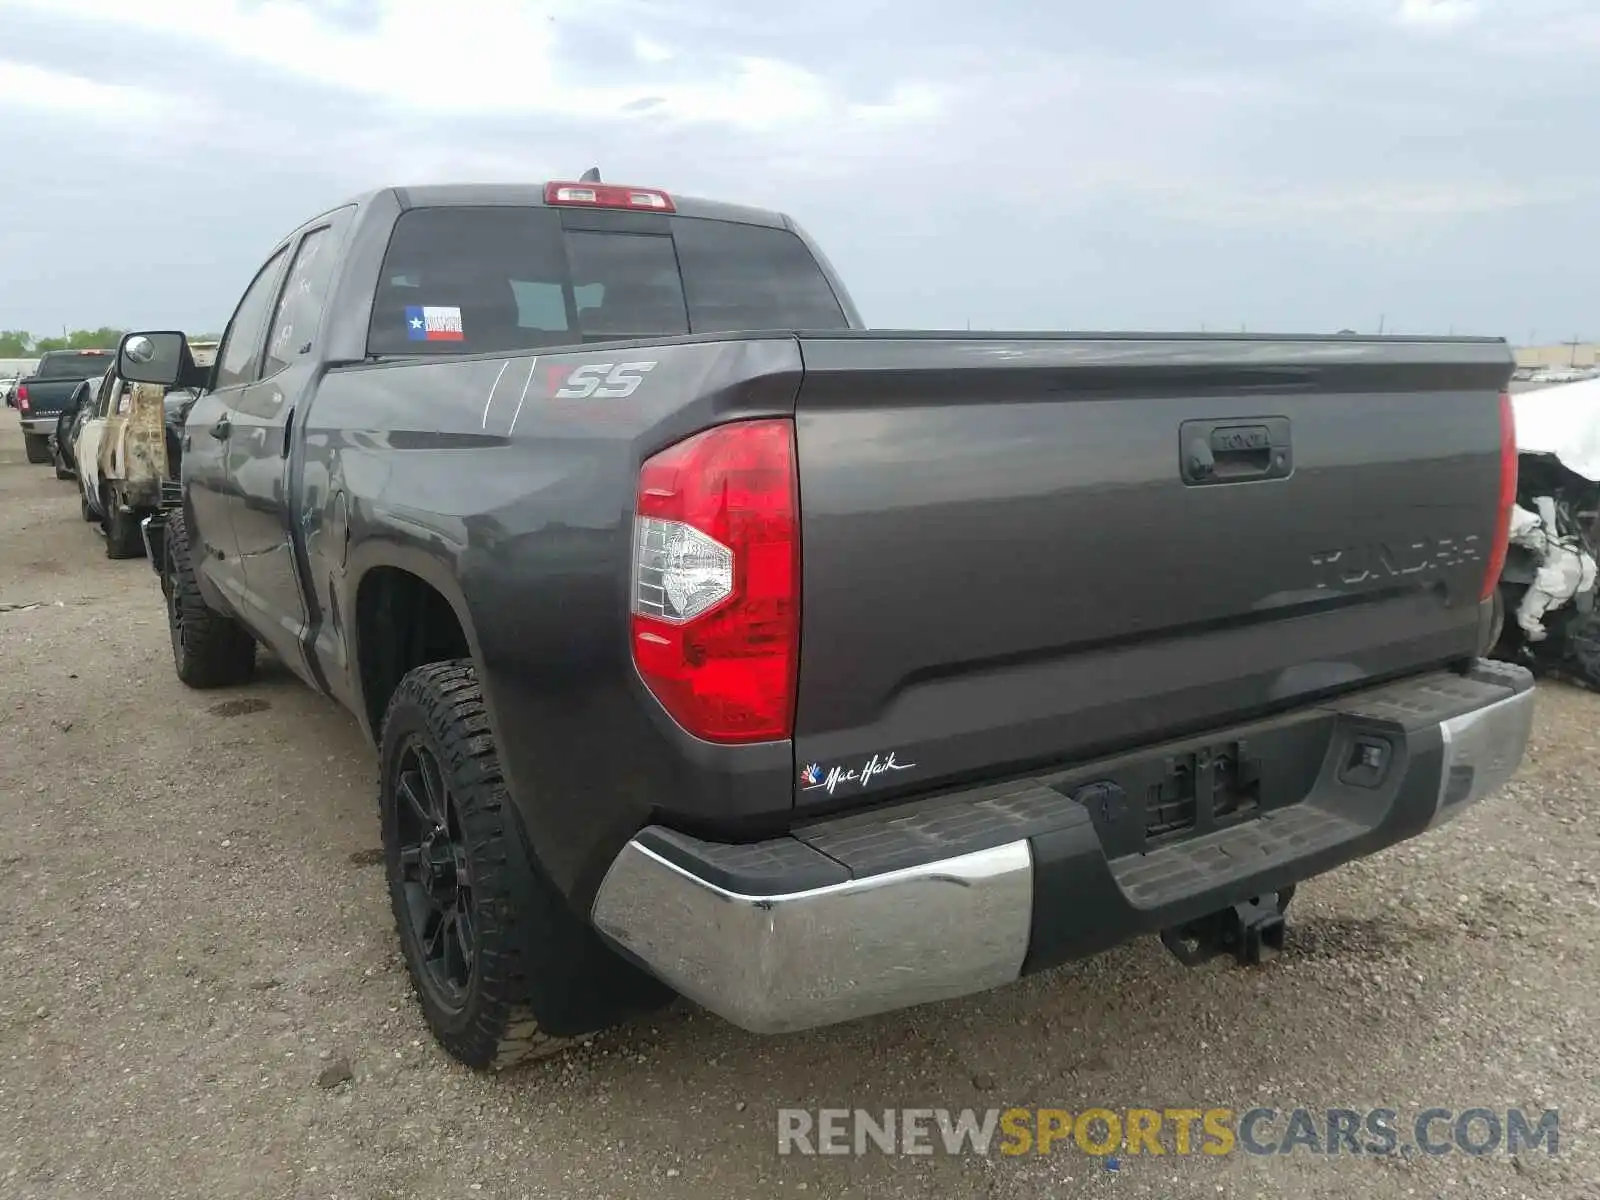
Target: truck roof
{"points": [[524, 195]]}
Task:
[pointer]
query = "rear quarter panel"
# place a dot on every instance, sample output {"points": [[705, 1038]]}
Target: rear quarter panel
{"points": [[517, 505]]}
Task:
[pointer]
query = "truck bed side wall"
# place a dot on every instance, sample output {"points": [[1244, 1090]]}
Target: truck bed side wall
{"points": [[518, 508]]}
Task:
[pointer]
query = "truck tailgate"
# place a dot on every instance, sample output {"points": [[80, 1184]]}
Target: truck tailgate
{"points": [[47, 397], [1025, 551]]}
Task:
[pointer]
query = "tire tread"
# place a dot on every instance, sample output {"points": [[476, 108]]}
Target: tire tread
{"points": [[536, 959], [217, 651], [503, 1031]]}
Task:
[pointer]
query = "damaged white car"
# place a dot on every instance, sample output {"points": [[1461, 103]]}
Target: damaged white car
{"points": [[1547, 591]]}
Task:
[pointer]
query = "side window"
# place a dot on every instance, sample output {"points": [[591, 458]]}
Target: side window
{"points": [[300, 307], [239, 357], [110, 389]]}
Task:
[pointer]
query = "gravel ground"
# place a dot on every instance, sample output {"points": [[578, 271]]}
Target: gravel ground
{"points": [[200, 993]]}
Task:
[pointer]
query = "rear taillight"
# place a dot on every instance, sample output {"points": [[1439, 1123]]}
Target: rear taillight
{"points": [[22, 397], [1507, 500], [716, 581]]}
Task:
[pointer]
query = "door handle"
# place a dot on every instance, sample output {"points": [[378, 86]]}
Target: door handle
{"points": [[222, 429]]}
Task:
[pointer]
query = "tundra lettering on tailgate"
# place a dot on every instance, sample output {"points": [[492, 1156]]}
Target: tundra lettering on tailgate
{"points": [[1386, 560]]}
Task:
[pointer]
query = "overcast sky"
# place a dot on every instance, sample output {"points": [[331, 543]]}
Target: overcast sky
{"points": [[1292, 165]]}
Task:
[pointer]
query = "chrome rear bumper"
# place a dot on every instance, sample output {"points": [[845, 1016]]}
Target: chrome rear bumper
{"points": [[796, 958], [1482, 751], [771, 964]]}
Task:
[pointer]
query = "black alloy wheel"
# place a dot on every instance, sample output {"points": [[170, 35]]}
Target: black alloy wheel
{"points": [[435, 874], [504, 970]]}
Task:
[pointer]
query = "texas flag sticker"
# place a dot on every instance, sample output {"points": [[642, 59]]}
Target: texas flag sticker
{"points": [[426, 324]]}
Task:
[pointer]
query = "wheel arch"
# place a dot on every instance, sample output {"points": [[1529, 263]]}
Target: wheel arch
{"points": [[390, 590]]}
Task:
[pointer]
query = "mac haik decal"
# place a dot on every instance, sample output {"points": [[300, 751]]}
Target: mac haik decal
{"points": [[830, 779]]}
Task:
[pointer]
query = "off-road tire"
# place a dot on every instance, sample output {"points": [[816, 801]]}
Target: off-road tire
{"points": [[37, 446], [121, 529], [541, 978], [209, 649]]}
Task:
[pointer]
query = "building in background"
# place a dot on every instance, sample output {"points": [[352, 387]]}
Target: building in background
{"points": [[1581, 355]]}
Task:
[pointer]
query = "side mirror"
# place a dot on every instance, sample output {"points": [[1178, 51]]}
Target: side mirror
{"points": [[153, 357]]}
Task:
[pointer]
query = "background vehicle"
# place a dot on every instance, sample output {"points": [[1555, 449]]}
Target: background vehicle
{"points": [[109, 392], [67, 424], [1556, 375], [42, 395], [130, 446], [12, 371], [714, 645], [175, 407], [1547, 612]]}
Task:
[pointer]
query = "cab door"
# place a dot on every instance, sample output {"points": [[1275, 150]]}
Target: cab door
{"points": [[262, 497], [91, 432], [207, 439]]}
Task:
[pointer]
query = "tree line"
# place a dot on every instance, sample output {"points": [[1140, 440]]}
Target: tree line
{"points": [[19, 343]]}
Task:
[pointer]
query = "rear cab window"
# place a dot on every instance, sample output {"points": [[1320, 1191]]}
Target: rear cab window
{"points": [[73, 364], [468, 280]]}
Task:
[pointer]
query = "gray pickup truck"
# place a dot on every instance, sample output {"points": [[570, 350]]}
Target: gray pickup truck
{"points": [[714, 645]]}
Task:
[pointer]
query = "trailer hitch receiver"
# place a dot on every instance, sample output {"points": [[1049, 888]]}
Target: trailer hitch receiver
{"points": [[1251, 931]]}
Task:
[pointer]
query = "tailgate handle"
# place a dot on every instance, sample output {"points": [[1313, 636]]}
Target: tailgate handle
{"points": [[1235, 451], [1241, 449]]}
